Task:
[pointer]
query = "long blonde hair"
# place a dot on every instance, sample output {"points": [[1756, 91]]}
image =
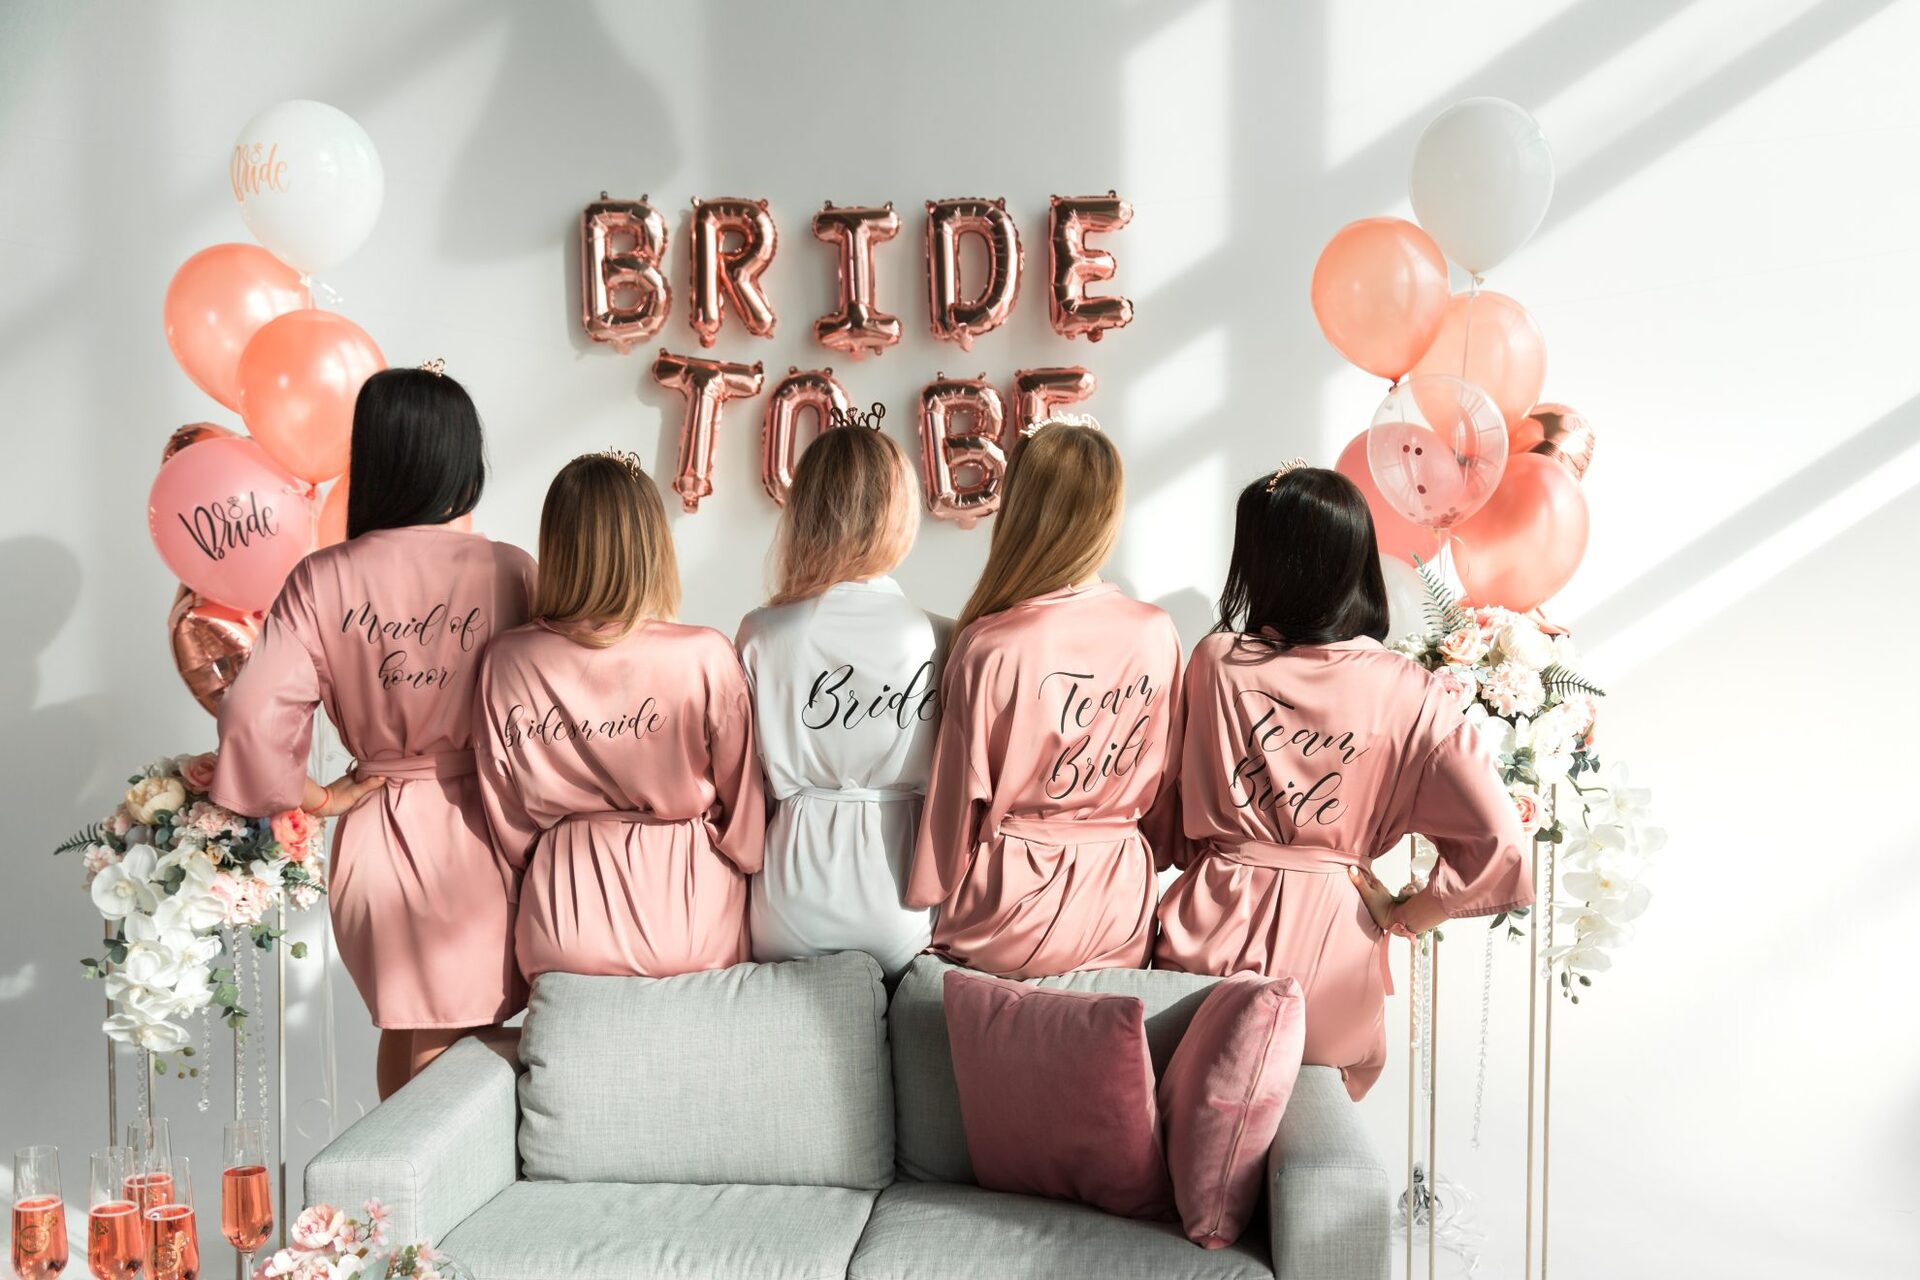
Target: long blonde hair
{"points": [[851, 514], [1059, 517], [606, 554]]}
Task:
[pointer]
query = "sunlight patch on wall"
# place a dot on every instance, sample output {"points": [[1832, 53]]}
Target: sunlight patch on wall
{"points": [[1175, 129]]}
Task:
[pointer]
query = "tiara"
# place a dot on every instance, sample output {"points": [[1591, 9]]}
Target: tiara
{"points": [[855, 418], [627, 459], [1064, 420], [1291, 464], [436, 366]]}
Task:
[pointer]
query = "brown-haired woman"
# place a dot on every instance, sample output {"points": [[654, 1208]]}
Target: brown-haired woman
{"points": [[1059, 726], [616, 748], [846, 678]]}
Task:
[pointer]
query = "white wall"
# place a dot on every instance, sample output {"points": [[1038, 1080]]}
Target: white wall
{"points": [[1725, 280]]}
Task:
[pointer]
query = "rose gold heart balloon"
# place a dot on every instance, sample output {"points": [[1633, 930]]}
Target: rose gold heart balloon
{"points": [[1558, 432], [211, 643], [192, 433]]}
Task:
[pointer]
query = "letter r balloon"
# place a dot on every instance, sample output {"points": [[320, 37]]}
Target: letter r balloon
{"points": [[728, 275]]}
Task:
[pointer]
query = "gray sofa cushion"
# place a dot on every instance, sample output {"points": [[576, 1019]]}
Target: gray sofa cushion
{"points": [[938, 1231], [932, 1141], [762, 1073], [614, 1231]]}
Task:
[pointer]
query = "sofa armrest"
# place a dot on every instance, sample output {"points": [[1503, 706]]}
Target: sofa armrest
{"points": [[1329, 1208], [435, 1151]]}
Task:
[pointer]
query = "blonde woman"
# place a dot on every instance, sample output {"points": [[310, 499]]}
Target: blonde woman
{"points": [[846, 681], [1060, 714], [616, 748]]}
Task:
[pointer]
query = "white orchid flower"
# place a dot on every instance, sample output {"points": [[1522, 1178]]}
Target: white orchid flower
{"points": [[193, 911], [126, 888], [196, 863], [144, 1033]]}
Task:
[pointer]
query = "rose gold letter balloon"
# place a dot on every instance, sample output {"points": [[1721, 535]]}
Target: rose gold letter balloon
{"points": [[707, 385], [729, 276], [1074, 266], [858, 328], [1553, 430], [191, 434], [954, 317], [217, 301], [963, 448], [1038, 392], [812, 390], [1525, 544], [1489, 339], [624, 297], [1436, 448], [211, 643], [1379, 292]]}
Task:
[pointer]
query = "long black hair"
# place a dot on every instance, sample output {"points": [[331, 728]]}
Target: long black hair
{"points": [[1305, 568], [418, 456]]}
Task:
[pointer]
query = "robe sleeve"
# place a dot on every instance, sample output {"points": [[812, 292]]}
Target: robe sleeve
{"points": [[958, 791], [1161, 825], [1461, 806], [738, 819], [514, 831], [266, 717]]}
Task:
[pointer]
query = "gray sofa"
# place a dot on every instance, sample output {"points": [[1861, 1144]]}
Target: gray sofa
{"points": [[790, 1121]]}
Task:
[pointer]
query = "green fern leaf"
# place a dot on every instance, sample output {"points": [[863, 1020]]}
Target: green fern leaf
{"points": [[89, 834], [1559, 682]]}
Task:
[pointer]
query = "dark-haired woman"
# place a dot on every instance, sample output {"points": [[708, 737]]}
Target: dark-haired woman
{"points": [[1309, 750], [387, 630]]}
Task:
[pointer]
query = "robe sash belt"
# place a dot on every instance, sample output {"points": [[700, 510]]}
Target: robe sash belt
{"points": [[435, 764], [1309, 860], [1066, 831], [856, 795]]}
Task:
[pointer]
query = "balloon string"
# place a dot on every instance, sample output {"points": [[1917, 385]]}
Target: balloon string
{"points": [[1466, 335]]}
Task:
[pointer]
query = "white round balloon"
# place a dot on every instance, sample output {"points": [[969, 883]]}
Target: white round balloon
{"points": [[1406, 600], [308, 182], [1482, 179]]}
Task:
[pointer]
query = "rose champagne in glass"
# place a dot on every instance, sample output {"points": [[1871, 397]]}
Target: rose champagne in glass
{"points": [[173, 1245], [149, 1177], [39, 1214], [116, 1237], [246, 1203]]}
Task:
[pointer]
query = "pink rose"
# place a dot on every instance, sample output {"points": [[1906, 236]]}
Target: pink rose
{"points": [[1464, 647], [316, 1228], [1460, 689], [1526, 803], [197, 771], [294, 829]]}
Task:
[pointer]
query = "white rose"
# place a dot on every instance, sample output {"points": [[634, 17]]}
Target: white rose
{"points": [[125, 888], [1565, 652], [1523, 642], [152, 796]]}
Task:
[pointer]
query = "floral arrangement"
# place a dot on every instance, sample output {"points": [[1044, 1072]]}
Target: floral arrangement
{"points": [[1517, 681], [178, 878], [325, 1244]]}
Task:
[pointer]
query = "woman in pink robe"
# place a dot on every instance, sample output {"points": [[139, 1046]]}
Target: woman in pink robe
{"points": [[387, 631], [616, 751], [1051, 785], [1309, 750]]}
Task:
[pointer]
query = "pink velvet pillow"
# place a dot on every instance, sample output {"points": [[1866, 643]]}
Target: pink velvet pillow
{"points": [[1222, 1097], [1056, 1094]]}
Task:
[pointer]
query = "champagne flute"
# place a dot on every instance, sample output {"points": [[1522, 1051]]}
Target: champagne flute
{"points": [[149, 1180], [173, 1244], [116, 1237], [246, 1203], [39, 1214]]}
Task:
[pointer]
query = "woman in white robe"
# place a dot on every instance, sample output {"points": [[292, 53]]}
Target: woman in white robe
{"points": [[846, 677]]}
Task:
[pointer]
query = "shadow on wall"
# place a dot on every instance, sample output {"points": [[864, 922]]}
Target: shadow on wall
{"points": [[560, 75]]}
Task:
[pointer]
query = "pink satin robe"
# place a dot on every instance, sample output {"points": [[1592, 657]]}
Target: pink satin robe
{"points": [[1296, 766], [388, 631], [1051, 786], [624, 780]]}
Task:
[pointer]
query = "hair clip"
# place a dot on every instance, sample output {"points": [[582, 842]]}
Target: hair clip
{"points": [[1291, 464], [436, 366], [631, 461], [855, 418], [1064, 420]]}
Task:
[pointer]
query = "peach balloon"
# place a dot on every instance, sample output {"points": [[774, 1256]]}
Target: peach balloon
{"points": [[1379, 292], [1524, 545], [1399, 537], [216, 302], [1490, 340], [333, 516], [299, 378]]}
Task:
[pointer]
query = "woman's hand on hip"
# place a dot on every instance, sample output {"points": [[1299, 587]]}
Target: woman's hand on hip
{"points": [[1380, 900], [340, 795]]}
